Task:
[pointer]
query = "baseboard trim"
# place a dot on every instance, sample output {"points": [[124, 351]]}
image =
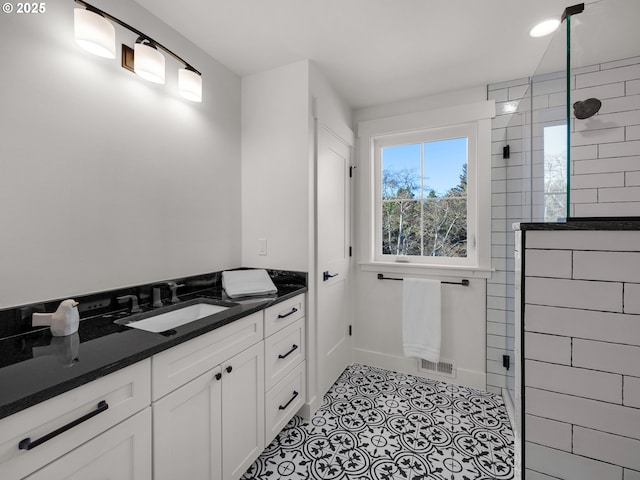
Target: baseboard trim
{"points": [[464, 377], [511, 410], [309, 408]]}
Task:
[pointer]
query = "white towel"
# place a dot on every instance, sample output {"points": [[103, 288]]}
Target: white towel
{"points": [[241, 283], [421, 318]]}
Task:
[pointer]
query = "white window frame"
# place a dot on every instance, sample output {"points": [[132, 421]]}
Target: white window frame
{"points": [[467, 131], [471, 121]]}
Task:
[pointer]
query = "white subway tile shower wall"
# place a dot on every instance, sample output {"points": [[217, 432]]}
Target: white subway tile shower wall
{"points": [[605, 156], [605, 150], [582, 357]]}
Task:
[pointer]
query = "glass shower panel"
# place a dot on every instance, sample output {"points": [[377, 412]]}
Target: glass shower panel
{"points": [[534, 182], [593, 29], [549, 134], [604, 62]]}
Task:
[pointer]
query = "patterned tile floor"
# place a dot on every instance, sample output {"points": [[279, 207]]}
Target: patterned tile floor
{"points": [[383, 425]]}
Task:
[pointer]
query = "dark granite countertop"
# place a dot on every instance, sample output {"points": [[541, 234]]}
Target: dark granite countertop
{"points": [[35, 366], [596, 223]]}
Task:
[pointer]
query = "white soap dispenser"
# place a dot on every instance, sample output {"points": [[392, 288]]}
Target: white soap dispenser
{"points": [[64, 321]]}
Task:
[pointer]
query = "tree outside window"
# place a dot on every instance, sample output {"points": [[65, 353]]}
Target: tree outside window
{"points": [[424, 199]]}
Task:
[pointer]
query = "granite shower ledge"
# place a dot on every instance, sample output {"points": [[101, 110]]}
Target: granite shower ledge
{"points": [[104, 347], [617, 223]]}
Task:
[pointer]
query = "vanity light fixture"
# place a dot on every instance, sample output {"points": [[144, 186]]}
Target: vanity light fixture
{"points": [[95, 33], [148, 62], [190, 84]]}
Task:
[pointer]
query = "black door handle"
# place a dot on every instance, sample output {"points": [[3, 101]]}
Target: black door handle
{"points": [[229, 368], [326, 275], [293, 349], [27, 444], [218, 376], [282, 407]]}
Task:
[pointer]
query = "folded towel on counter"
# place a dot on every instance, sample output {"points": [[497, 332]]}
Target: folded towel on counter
{"points": [[421, 318], [243, 283]]}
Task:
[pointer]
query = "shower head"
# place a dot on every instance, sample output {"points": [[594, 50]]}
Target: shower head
{"points": [[586, 108]]}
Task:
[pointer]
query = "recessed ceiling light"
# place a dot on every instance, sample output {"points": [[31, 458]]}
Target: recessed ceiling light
{"points": [[545, 28], [510, 107]]}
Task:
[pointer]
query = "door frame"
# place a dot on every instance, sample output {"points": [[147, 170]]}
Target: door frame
{"points": [[333, 123]]}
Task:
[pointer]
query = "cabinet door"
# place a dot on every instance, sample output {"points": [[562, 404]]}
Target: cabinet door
{"points": [[242, 411], [187, 431], [121, 453]]}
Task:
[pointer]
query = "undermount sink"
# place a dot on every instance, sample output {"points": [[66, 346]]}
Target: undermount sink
{"points": [[176, 318]]}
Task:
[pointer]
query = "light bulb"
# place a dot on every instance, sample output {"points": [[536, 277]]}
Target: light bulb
{"points": [[94, 33], [190, 85], [148, 63]]}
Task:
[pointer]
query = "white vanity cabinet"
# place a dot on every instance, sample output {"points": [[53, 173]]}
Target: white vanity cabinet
{"points": [[55, 433], [284, 364], [194, 411], [211, 427]]}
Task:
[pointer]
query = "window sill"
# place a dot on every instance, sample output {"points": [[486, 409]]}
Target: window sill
{"points": [[437, 270]]}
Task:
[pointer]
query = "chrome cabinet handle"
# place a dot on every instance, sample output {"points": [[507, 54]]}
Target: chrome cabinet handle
{"points": [[293, 349], [27, 444], [282, 407], [293, 310]]}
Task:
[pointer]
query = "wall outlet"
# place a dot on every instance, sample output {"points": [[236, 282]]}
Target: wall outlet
{"points": [[262, 246], [94, 305]]}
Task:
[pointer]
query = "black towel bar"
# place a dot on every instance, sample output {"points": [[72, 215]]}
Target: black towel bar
{"points": [[464, 282]]}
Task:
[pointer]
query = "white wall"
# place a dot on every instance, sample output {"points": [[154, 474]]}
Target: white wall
{"points": [[378, 328], [378, 304], [277, 162], [107, 180], [278, 180], [275, 167], [330, 105]]}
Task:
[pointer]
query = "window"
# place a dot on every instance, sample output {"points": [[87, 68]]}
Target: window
{"points": [[425, 196], [555, 173], [424, 187]]}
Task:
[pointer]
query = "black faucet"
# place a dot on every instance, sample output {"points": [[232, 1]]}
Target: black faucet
{"points": [[156, 293], [134, 302]]}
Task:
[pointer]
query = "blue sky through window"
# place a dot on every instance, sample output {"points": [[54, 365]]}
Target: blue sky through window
{"points": [[443, 162]]}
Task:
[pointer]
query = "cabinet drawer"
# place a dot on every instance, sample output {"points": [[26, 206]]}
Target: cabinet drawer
{"points": [[126, 392], [282, 352], [282, 314], [182, 363], [121, 453], [283, 401]]}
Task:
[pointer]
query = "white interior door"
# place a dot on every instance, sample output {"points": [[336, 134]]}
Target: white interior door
{"points": [[333, 195]]}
